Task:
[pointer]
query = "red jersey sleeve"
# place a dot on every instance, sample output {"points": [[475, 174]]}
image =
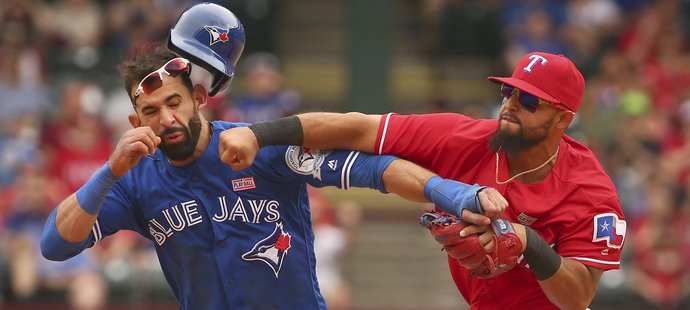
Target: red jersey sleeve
{"points": [[594, 226], [427, 138], [596, 239]]}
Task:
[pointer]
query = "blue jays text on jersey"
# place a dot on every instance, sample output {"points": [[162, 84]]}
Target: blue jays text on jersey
{"points": [[234, 239]]}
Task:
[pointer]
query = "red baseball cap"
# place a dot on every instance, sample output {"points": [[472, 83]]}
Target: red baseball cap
{"points": [[553, 78]]}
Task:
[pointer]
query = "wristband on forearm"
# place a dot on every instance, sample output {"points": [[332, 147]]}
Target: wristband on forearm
{"points": [[453, 196], [93, 193], [542, 259], [283, 131]]}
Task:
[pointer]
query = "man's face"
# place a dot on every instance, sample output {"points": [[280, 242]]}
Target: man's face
{"points": [[519, 129], [173, 115]]}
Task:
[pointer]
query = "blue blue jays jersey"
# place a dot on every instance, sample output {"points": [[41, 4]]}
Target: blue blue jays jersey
{"points": [[234, 239]]}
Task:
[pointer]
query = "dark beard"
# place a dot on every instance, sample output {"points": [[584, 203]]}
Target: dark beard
{"points": [[512, 145], [185, 149]]}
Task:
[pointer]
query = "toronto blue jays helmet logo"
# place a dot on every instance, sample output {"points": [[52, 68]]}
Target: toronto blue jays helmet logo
{"points": [[218, 34], [272, 249], [607, 227]]}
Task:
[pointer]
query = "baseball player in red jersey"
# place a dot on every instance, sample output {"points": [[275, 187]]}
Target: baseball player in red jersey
{"points": [[563, 206]]}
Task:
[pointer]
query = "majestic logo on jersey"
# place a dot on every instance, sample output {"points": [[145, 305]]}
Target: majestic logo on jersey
{"points": [[607, 227], [305, 161], [218, 34], [243, 184], [272, 249], [333, 164]]}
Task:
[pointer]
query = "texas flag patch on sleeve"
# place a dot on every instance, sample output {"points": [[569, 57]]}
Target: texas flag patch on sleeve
{"points": [[607, 227]]}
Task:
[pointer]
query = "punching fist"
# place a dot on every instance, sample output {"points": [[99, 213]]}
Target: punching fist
{"points": [[134, 144], [238, 147]]}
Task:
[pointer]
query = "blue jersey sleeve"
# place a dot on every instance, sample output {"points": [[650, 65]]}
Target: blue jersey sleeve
{"points": [[344, 169], [118, 213]]}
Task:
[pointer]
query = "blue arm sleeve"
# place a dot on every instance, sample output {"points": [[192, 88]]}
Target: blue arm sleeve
{"points": [[344, 169], [116, 213], [367, 171], [54, 247], [348, 169]]}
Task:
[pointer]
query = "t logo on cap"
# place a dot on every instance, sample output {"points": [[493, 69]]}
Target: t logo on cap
{"points": [[534, 59], [560, 82]]}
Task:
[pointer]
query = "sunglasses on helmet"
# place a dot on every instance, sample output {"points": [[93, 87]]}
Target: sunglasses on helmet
{"points": [[528, 101], [154, 80]]}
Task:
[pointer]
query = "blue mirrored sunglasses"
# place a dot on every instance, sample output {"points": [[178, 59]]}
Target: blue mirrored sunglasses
{"points": [[528, 101]]}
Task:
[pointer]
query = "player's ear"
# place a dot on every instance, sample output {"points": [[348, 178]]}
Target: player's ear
{"points": [[199, 95], [564, 119], [134, 120]]}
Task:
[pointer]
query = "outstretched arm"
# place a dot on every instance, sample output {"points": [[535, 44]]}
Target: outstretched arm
{"points": [[349, 131], [329, 131]]}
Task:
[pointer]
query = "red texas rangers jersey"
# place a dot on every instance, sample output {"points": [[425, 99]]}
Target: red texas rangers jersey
{"points": [[575, 209]]}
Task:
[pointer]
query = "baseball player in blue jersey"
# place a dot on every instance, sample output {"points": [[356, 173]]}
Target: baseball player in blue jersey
{"points": [[225, 239]]}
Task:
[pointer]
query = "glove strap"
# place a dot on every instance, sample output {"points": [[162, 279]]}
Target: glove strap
{"points": [[502, 226]]}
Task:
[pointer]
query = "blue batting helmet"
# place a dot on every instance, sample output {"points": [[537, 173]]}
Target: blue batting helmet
{"points": [[212, 37]]}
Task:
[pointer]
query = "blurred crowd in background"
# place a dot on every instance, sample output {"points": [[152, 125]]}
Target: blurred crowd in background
{"points": [[62, 110]]}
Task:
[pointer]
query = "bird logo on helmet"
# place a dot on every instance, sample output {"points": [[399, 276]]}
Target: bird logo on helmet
{"points": [[218, 34], [196, 36]]}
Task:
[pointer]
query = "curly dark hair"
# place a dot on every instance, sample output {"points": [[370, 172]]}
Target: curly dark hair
{"points": [[134, 70]]}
